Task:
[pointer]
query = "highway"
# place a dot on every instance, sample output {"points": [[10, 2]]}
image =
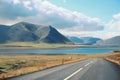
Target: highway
{"points": [[90, 69]]}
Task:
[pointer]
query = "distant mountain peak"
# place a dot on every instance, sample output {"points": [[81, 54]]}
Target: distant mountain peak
{"points": [[23, 22], [84, 40], [111, 41]]}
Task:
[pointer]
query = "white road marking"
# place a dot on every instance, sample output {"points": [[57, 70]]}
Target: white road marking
{"points": [[77, 71], [73, 74], [87, 64]]}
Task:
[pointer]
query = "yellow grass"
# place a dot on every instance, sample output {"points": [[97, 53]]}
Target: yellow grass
{"points": [[29, 45], [14, 65], [115, 57]]}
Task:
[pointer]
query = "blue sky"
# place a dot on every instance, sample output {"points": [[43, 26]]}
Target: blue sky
{"points": [[103, 9], [80, 18]]}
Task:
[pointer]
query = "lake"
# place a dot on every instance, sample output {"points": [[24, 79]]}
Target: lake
{"points": [[58, 51]]}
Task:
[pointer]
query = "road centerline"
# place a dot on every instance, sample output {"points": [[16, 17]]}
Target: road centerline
{"points": [[87, 64], [77, 71], [73, 74]]}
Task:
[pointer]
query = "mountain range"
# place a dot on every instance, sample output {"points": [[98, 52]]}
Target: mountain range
{"points": [[111, 41], [28, 32], [76, 40], [84, 40]]}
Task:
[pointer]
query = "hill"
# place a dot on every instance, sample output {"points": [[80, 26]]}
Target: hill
{"points": [[4, 33], [90, 40], [76, 40], [28, 32], [84, 40], [112, 41]]}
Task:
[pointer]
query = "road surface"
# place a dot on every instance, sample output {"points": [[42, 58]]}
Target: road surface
{"points": [[90, 69]]}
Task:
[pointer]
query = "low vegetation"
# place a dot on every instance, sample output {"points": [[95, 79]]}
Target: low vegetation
{"points": [[115, 57], [34, 45], [14, 65]]}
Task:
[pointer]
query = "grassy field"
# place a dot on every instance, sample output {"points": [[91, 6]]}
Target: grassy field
{"points": [[115, 57], [35, 45], [14, 65]]}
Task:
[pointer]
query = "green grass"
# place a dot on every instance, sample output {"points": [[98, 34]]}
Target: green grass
{"points": [[36, 45]]}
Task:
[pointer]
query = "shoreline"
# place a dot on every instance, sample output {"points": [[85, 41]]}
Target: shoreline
{"points": [[61, 47]]}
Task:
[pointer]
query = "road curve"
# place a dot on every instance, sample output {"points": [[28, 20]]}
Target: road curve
{"points": [[90, 69]]}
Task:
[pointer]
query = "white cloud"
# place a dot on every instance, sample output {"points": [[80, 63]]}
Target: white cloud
{"points": [[27, 4], [115, 23], [71, 23], [48, 13], [11, 11], [63, 18], [117, 16], [9, 22], [105, 34], [111, 29], [16, 1]]}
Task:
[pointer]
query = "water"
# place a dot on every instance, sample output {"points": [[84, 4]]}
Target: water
{"points": [[59, 51]]}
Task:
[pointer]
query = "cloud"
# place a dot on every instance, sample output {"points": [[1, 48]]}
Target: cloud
{"points": [[12, 9], [111, 29], [58, 16], [114, 24], [82, 33], [16, 1], [70, 23], [104, 34], [44, 12], [9, 22], [116, 16]]}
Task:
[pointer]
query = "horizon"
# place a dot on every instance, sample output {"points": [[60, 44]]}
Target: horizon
{"points": [[59, 31], [72, 18], [59, 39]]}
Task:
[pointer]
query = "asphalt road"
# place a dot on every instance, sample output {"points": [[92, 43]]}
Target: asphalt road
{"points": [[90, 69]]}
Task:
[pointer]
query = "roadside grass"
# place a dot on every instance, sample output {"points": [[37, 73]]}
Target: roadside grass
{"points": [[115, 57], [15, 65], [29, 45], [19, 64]]}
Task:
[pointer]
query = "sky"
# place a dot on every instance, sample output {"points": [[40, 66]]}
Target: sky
{"points": [[80, 18]]}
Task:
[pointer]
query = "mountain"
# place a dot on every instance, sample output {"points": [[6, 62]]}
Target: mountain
{"points": [[3, 33], [76, 40], [112, 41], [55, 37], [22, 32], [90, 40], [27, 32], [84, 40]]}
